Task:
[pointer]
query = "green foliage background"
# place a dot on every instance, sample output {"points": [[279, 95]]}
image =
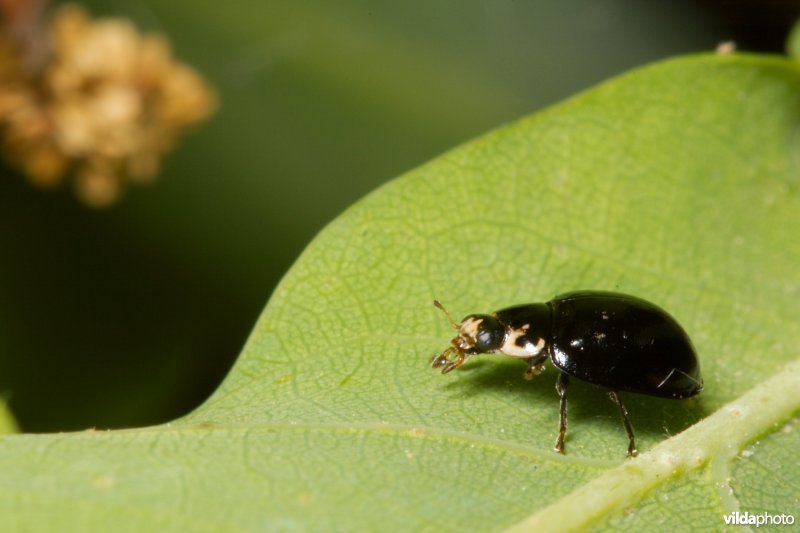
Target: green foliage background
{"points": [[678, 183], [133, 315]]}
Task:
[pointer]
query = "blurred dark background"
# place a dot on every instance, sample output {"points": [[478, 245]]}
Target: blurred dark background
{"points": [[133, 315]]}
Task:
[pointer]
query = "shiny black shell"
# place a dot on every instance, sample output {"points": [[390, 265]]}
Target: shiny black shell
{"points": [[613, 340]]}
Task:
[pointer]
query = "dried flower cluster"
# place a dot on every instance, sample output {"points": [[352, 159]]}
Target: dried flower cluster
{"points": [[104, 107]]}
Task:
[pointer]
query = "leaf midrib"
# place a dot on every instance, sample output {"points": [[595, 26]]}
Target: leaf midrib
{"points": [[720, 436]]}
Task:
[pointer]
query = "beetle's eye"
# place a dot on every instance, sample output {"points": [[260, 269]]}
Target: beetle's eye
{"points": [[490, 335]]}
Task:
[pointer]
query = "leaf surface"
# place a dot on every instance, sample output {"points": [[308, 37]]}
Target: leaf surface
{"points": [[7, 422], [677, 183]]}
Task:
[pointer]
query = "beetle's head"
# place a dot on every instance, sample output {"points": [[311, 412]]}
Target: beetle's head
{"points": [[476, 334]]}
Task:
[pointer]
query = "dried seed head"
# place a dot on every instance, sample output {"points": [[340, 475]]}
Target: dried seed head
{"points": [[105, 107]]}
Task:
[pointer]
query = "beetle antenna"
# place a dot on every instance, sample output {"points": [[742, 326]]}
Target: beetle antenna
{"points": [[438, 304]]}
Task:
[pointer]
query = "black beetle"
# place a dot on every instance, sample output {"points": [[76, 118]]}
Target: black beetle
{"points": [[612, 340]]}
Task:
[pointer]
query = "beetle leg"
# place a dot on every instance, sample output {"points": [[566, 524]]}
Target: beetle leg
{"points": [[632, 452], [561, 389], [451, 365], [441, 359], [535, 367], [456, 363]]}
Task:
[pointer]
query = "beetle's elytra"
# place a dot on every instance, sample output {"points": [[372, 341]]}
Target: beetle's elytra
{"points": [[612, 340]]}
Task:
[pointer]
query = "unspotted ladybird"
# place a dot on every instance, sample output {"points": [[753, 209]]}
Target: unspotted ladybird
{"points": [[615, 341]]}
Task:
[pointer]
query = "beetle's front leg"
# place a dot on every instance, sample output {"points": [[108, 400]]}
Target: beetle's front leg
{"points": [[535, 367], [444, 362], [456, 363], [442, 359]]}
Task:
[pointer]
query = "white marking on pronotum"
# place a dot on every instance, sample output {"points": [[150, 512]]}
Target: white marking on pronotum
{"points": [[512, 349]]}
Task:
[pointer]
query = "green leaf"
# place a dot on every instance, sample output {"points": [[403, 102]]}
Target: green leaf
{"points": [[678, 183], [7, 422], [793, 42]]}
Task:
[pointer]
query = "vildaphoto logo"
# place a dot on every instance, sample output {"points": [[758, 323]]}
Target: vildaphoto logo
{"points": [[763, 519]]}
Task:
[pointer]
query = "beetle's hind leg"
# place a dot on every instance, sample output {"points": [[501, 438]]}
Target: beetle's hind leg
{"points": [[632, 452], [561, 389]]}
